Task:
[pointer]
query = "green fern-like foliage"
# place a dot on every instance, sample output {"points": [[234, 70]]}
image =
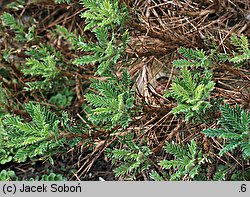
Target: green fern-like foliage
{"points": [[220, 174], [46, 67], [15, 25], [112, 106], [131, 160], [44, 62], [113, 99], [5, 156], [106, 20], [223, 172], [74, 40], [22, 33], [194, 58], [192, 89], [242, 56], [192, 92], [198, 58], [235, 130], [155, 176], [6, 54], [187, 162], [40, 136], [105, 52], [104, 13]]}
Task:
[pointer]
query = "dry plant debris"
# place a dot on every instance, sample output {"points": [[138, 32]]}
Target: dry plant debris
{"points": [[157, 29]]}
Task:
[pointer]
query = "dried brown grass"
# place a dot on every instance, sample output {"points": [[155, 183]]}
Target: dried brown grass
{"points": [[159, 28]]}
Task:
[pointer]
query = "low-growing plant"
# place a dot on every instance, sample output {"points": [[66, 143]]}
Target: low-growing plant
{"points": [[106, 52], [106, 14], [242, 55], [51, 64], [114, 102], [74, 40], [186, 164], [225, 172], [132, 159], [194, 58], [235, 130], [192, 91], [43, 62], [22, 33], [103, 17], [62, 98], [41, 136], [8, 175], [193, 88], [53, 177]]}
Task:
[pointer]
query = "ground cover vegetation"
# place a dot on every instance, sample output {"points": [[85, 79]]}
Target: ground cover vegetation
{"points": [[125, 90]]}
